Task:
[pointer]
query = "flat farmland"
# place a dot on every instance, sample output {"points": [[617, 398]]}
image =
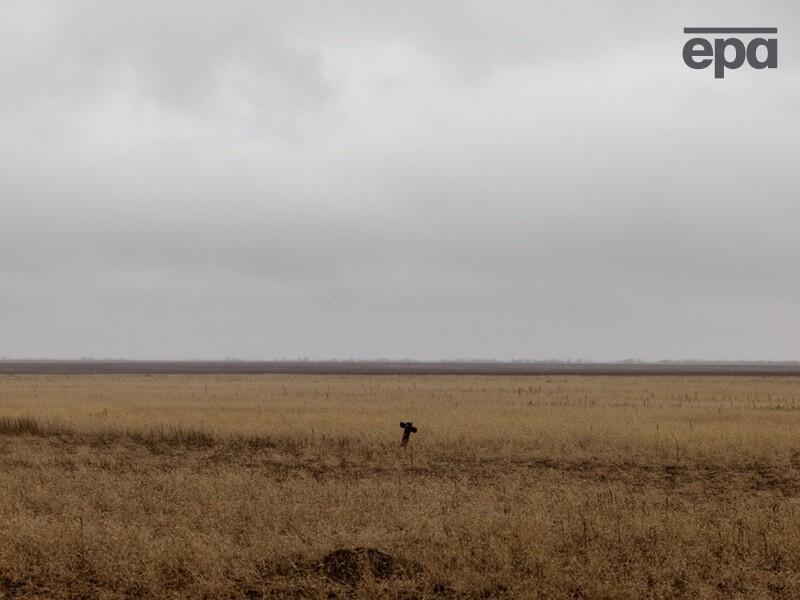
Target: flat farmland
{"points": [[270, 485]]}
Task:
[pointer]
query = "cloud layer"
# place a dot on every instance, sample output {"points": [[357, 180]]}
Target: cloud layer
{"points": [[265, 180]]}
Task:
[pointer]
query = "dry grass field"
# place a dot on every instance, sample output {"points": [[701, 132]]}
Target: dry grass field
{"points": [[201, 486]]}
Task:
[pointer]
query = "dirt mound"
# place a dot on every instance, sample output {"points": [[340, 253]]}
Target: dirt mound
{"points": [[350, 566]]}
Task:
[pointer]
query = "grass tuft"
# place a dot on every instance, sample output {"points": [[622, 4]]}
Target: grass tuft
{"points": [[24, 426]]}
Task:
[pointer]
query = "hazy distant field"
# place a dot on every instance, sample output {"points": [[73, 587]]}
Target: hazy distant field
{"points": [[240, 486]]}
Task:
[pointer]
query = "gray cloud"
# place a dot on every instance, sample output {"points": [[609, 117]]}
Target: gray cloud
{"points": [[403, 180]]}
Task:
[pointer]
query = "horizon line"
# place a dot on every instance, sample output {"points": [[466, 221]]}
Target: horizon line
{"points": [[585, 361]]}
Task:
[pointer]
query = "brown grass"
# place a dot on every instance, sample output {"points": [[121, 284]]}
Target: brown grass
{"points": [[259, 486]]}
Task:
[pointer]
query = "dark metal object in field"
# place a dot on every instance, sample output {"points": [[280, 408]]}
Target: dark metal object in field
{"points": [[408, 429]]}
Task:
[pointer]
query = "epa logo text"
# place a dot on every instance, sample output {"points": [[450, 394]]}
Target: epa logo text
{"points": [[759, 52]]}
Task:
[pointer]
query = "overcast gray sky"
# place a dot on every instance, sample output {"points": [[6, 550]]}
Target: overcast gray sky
{"points": [[202, 179]]}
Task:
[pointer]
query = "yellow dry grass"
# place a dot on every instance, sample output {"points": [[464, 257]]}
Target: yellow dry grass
{"points": [[238, 486]]}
